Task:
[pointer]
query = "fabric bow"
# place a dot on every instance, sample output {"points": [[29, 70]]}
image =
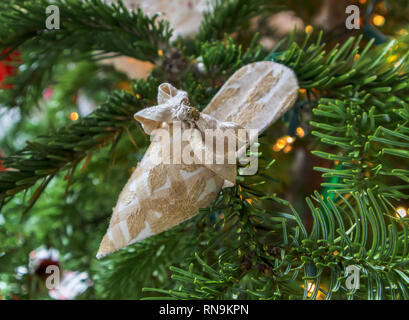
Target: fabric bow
{"points": [[200, 130]]}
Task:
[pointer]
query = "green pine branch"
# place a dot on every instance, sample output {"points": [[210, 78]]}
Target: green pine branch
{"points": [[346, 70], [354, 131], [112, 28], [286, 261], [226, 16], [88, 29], [65, 149]]}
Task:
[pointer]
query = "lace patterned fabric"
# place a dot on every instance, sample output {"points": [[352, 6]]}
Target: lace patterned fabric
{"points": [[161, 193]]}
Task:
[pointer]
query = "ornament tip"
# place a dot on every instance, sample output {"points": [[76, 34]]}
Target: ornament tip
{"points": [[100, 255]]}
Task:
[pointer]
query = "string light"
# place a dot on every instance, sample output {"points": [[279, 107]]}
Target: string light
{"points": [[378, 20], [160, 53], [285, 143], [309, 29], [289, 139], [362, 1], [276, 148], [401, 212], [281, 143], [300, 132], [287, 149], [74, 116], [310, 288], [357, 56]]}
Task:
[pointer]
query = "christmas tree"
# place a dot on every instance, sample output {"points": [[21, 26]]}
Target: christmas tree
{"points": [[330, 197]]}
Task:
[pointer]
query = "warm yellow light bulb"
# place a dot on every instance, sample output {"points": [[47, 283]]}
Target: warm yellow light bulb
{"points": [[401, 212], [309, 29], [378, 20], [287, 149], [310, 288], [300, 132], [281, 143], [289, 139], [74, 116]]}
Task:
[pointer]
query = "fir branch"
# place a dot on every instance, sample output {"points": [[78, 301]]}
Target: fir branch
{"points": [[289, 261], [357, 132], [347, 71], [112, 28], [71, 145], [227, 16], [221, 58], [118, 276]]}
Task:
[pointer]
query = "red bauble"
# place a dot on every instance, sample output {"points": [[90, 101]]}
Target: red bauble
{"points": [[41, 269], [2, 168], [41, 258], [8, 68]]}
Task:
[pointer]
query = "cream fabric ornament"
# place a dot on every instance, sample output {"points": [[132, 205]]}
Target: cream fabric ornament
{"points": [[161, 192]]}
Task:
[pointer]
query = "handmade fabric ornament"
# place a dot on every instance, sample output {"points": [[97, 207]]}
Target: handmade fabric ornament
{"points": [[174, 180]]}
